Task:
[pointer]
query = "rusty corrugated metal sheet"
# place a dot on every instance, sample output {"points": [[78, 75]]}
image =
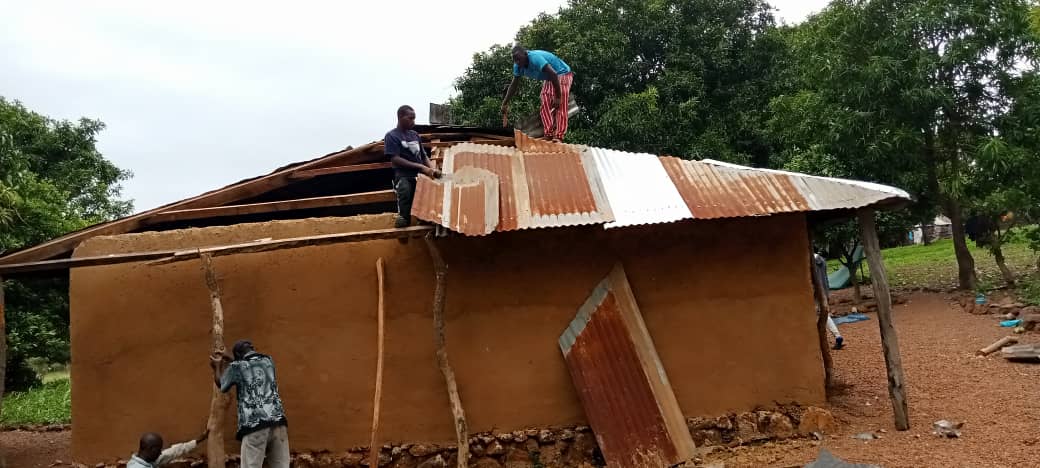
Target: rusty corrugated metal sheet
{"points": [[428, 203], [473, 205], [621, 382], [525, 143], [717, 192], [714, 189], [535, 189]]}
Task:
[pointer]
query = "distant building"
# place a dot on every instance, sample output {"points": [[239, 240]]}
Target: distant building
{"points": [[941, 228]]}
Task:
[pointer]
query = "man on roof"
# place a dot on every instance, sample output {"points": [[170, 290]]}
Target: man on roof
{"points": [[408, 158], [556, 77]]}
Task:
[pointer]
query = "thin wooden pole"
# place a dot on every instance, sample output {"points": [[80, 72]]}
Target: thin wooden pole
{"points": [[440, 274], [374, 442], [821, 320], [889, 340], [215, 455], [3, 346]]}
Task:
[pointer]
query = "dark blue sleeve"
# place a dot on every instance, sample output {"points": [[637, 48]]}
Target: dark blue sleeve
{"points": [[391, 144]]}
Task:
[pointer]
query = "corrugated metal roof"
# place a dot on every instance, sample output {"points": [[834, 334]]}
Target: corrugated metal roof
{"points": [[545, 184], [621, 382], [473, 204], [535, 189], [638, 188]]}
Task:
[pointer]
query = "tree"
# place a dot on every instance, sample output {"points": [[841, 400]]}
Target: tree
{"points": [[903, 92], [686, 77], [53, 180]]}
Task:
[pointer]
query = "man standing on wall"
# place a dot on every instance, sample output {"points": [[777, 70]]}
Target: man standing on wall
{"points": [[261, 417], [408, 158], [821, 268], [556, 78], [151, 455]]}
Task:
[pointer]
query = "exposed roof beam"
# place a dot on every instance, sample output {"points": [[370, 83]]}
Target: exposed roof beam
{"points": [[170, 256], [379, 196], [309, 173]]}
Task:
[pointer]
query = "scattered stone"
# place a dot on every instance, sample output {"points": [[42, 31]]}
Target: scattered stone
{"points": [[351, 459], [519, 437], [532, 433], [422, 451], [531, 445], [436, 461], [476, 449], [724, 423], [545, 436], [944, 428], [816, 420], [486, 439], [494, 449], [486, 463], [504, 437], [566, 434], [865, 436]]}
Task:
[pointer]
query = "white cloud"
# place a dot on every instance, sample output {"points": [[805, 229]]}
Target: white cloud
{"points": [[197, 95]]}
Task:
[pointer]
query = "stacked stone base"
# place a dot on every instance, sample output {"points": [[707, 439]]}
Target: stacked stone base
{"points": [[570, 447]]}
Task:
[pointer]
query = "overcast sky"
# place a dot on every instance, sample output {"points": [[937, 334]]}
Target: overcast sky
{"points": [[197, 95]]}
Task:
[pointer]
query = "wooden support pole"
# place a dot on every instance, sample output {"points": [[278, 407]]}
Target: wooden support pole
{"points": [[821, 320], [889, 341], [3, 349], [374, 441], [440, 270], [215, 456]]}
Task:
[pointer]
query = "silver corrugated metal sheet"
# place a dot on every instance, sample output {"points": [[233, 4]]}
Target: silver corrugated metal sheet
{"points": [[638, 188]]}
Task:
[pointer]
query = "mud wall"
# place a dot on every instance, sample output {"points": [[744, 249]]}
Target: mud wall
{"points": [[727, 303]]}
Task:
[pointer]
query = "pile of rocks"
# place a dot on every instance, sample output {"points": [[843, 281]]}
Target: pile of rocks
{"points": [[561, 447], [760, 426]]}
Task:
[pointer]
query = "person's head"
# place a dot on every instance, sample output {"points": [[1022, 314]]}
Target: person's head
{"points": [[519, 55], [150, 447], [405, 117], [241, 348]]}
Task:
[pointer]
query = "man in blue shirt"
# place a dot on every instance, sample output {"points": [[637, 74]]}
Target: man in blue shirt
{"points": [[556, 77], [408, 158]]}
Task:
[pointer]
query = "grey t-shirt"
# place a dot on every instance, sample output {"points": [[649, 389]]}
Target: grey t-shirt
{"points": [[407, 145], [821, 267], [259, 405]]}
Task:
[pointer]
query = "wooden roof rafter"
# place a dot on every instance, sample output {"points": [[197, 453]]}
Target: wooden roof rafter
{"points": [[237, 192]]}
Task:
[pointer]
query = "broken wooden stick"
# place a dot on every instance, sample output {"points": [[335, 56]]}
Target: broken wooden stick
{"points": [[1007, 340], [374, 442], [440, 270], [215, 455], [3, 345]]}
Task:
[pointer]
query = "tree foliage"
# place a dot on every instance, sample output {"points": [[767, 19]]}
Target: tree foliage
{"points": [[691, 78], [905, 92], [53, 180]]}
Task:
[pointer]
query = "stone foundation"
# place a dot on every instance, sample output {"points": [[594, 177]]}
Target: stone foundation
{"points": [[570, 447]]}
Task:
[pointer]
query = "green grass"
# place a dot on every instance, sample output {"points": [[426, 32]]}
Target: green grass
{"points": [[935, 265], [50, 403]]}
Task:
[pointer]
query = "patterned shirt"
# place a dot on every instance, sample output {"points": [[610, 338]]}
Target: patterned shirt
{"points": [[259, 406], [174, 452]]}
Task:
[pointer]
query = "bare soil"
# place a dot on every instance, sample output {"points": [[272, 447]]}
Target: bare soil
{"points": [[22, 449], [996, 399], [945, 380]]}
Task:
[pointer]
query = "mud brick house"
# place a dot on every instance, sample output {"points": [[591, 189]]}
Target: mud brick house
{"points": [[715, 257]]}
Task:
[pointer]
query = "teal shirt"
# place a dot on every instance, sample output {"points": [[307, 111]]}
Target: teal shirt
{"points": [[536, 61]]}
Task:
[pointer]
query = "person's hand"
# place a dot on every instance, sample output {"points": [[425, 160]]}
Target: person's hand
{"points": [[505, 114], [431, 173], [216, 359], [202, 437]]}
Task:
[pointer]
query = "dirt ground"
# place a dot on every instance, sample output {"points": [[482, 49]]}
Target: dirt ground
{"points": [[944, 380], [20, 449], [994, 398]]}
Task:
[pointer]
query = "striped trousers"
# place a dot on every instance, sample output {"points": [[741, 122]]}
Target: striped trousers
{"points": [[555, 122]]}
